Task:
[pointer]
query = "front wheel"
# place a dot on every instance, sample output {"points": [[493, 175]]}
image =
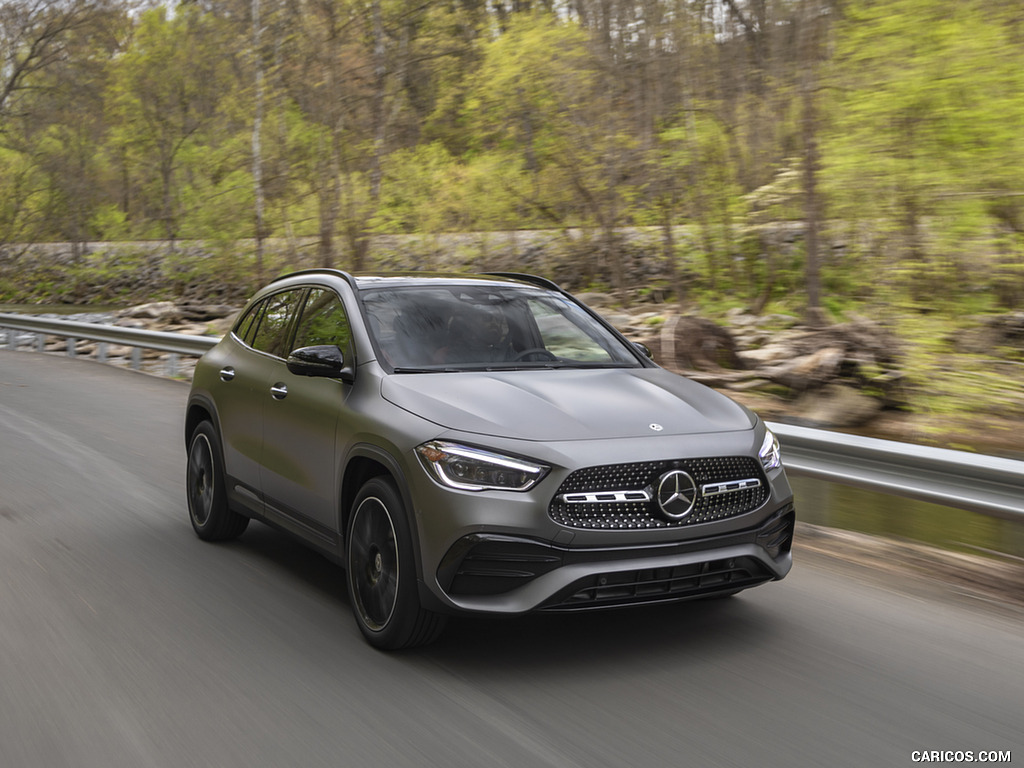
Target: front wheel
{"points": [[208, 509], [381, 571]]}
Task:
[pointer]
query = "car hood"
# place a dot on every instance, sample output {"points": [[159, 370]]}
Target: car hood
{"points": [[549, 405]]}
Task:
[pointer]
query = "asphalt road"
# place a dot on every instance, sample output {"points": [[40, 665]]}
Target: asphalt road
{"points": [[125, 641]]}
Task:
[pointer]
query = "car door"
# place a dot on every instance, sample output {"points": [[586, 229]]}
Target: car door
{"points": [[241, 391], [299, 463]]}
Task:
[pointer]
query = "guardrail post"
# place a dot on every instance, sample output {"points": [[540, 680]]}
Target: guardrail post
{"points": [[136, 358], [40, 342], [12, 340], [101, 352], [172, 364], [72, 344]]}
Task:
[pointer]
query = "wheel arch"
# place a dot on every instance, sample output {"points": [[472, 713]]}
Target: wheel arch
{"points": [[199, 409], [365, 462]]}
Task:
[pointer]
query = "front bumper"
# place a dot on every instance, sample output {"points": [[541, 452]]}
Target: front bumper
{"points": [[495, 573], [509, 553]]}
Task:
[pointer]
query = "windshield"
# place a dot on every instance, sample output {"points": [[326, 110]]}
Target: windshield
{"points": [[418, 328]]}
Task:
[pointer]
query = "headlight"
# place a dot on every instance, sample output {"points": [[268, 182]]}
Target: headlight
{"points": [[473, 469], [771, 457]]}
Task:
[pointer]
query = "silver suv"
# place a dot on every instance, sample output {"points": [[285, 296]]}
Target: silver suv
{"points": [[478, 444]]}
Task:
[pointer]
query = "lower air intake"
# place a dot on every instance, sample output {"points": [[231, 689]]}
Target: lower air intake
{"points": [[661, 584]]}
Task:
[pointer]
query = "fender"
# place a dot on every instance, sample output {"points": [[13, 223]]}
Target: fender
{"points": [[387, 459], [204, 401]]}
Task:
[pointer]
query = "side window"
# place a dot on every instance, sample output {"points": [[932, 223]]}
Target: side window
{"points": [[245, 329], [272, 333], [324, 322]]}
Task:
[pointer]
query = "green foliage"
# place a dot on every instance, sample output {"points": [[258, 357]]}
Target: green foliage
{"points": [[415, 192], [532, 79], [930, 111], [391, 118], [540, 102], [22, 195], [166, 94], [109, 222]]}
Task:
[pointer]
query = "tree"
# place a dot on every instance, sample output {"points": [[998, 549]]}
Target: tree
{"points": [[52, 58], [541, 98], [167, 95], [930, 109], [811, 40], [259, 75], [34, 36]]}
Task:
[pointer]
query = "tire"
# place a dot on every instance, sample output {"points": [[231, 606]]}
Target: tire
{"points": [[381, 571], [208, 509]]}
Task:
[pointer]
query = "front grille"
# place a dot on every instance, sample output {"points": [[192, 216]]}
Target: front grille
{"points": [[655, 585], [629, 509]]}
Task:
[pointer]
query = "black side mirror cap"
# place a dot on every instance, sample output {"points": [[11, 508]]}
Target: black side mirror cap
{"points": [[323, 360], [644, 350]]}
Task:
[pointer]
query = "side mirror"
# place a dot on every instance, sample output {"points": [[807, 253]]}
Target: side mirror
{"points": [[644, 350], [324, 360]]}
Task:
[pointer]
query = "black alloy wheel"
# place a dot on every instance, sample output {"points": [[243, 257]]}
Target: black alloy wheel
{"points": [[381, 571], [208, 509]]}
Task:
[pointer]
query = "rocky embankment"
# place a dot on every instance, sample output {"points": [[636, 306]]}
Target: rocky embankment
{"points": [[838, 376]]}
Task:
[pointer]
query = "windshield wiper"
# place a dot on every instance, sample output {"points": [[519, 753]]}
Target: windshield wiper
{"points": [[440, 369], [553, 365], [579, 364]]}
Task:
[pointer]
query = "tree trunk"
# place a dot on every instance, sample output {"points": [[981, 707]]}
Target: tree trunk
{"points": [[668, 244], [257, 127], [809, 132]]}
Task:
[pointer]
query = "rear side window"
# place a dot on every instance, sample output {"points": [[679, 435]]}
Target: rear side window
{"points": [[275, 321], [246, 328], [323, 322]]}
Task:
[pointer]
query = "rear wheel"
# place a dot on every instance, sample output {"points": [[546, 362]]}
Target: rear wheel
{"points": [[381, 571], [208, 509]]}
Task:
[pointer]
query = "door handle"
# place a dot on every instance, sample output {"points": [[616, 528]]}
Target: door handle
{"points": [[227, 373], [279, 391]]}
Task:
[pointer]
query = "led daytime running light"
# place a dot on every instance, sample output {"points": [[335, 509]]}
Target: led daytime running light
{"points": [[474, 469]]}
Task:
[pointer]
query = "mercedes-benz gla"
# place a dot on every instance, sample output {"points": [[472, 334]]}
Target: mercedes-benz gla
{"points": [[478, 444]]}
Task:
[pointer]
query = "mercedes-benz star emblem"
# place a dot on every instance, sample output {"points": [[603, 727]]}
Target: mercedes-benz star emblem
{"points": [[677, 493]]}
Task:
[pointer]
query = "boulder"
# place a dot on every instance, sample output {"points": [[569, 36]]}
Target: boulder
{"points": [[201, 313], [991, 333], [836, 405], [770, 353], [808, 371], [693, 343], [156, 310]]}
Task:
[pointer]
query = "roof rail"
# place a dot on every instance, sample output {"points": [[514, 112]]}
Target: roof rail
{"points": [[320, 271], [543, 282]]}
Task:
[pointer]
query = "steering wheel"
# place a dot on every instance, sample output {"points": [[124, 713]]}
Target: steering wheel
{"points": [[545, 354]]}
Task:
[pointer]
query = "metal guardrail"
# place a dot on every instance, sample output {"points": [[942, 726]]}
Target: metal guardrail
{"points": [[137, 338], [986, 484]]}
